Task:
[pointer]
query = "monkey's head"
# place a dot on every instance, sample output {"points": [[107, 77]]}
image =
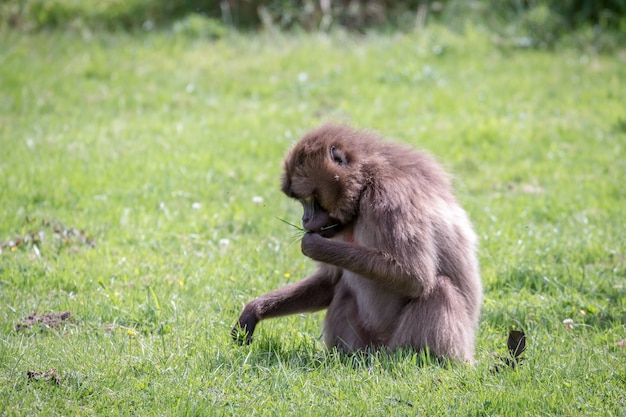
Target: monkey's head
{"points": [[324, 172]]}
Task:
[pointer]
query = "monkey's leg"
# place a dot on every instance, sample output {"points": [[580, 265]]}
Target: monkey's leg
{"points": [[439, 322], [311, 294], [342, 327]]}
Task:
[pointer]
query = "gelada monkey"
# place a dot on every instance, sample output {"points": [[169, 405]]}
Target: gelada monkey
{"points": [[396, 252]]}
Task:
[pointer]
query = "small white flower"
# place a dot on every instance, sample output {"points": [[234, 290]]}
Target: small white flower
{"points": [[568, 323], [196, 206], [303, 77], [258, 200], [224, 243]]}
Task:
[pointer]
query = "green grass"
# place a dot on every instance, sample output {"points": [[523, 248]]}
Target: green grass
{"points": [[155, 145]]}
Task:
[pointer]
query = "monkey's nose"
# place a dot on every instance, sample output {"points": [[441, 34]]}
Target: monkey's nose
{"points": [[308, 204]]}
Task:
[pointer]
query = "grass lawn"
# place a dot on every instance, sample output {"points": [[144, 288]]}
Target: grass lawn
{"points": [[131, 168]]}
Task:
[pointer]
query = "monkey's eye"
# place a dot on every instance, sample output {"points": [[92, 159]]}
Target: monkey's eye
{"points": [[338, 156]]}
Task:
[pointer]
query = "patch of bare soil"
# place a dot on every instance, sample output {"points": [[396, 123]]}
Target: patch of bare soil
{"points": [[47, 320], [51, 375], [62, 236]]}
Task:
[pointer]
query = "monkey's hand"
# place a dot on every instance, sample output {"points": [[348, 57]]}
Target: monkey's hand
{"points": [[311, 242], [242, 332]]}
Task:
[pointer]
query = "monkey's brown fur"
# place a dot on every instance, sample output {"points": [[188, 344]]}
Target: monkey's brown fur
{"points": [[396, 252]]}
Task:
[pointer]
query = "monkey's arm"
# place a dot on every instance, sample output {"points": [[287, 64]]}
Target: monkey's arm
{"points": [[311, 294], [413, 277]]}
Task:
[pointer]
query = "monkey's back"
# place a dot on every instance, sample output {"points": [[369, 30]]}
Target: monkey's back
{"points": [[410, 199]]}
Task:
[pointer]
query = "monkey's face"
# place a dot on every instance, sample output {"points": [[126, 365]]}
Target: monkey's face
{"points": [[306, 184], [320, 173]]}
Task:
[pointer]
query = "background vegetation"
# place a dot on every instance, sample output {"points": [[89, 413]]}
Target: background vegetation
{"points": [[538, 23], [139, 187]]}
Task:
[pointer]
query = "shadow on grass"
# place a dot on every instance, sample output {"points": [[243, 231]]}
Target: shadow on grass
{"points": [[309, 354]]}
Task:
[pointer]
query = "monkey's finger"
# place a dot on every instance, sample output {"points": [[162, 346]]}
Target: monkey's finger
{"points": [[309, 241], [241, 335], [242, 332]]}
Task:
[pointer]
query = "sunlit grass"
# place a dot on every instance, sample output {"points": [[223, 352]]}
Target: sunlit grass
{"points": [[163, 153]]}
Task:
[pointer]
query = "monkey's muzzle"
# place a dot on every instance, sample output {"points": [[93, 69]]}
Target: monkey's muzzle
{"points": [[330, 231], [316, 219]]}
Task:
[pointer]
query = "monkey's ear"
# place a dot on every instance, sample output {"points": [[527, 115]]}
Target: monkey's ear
{"points": [[338, 156]]}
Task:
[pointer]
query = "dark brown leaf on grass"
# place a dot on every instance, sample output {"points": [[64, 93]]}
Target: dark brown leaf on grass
{"points": [[516, 344], [48, 320], [50, 375]]}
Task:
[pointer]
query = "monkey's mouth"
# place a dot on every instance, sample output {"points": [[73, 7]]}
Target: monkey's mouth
{"points": [[330, 230]]}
